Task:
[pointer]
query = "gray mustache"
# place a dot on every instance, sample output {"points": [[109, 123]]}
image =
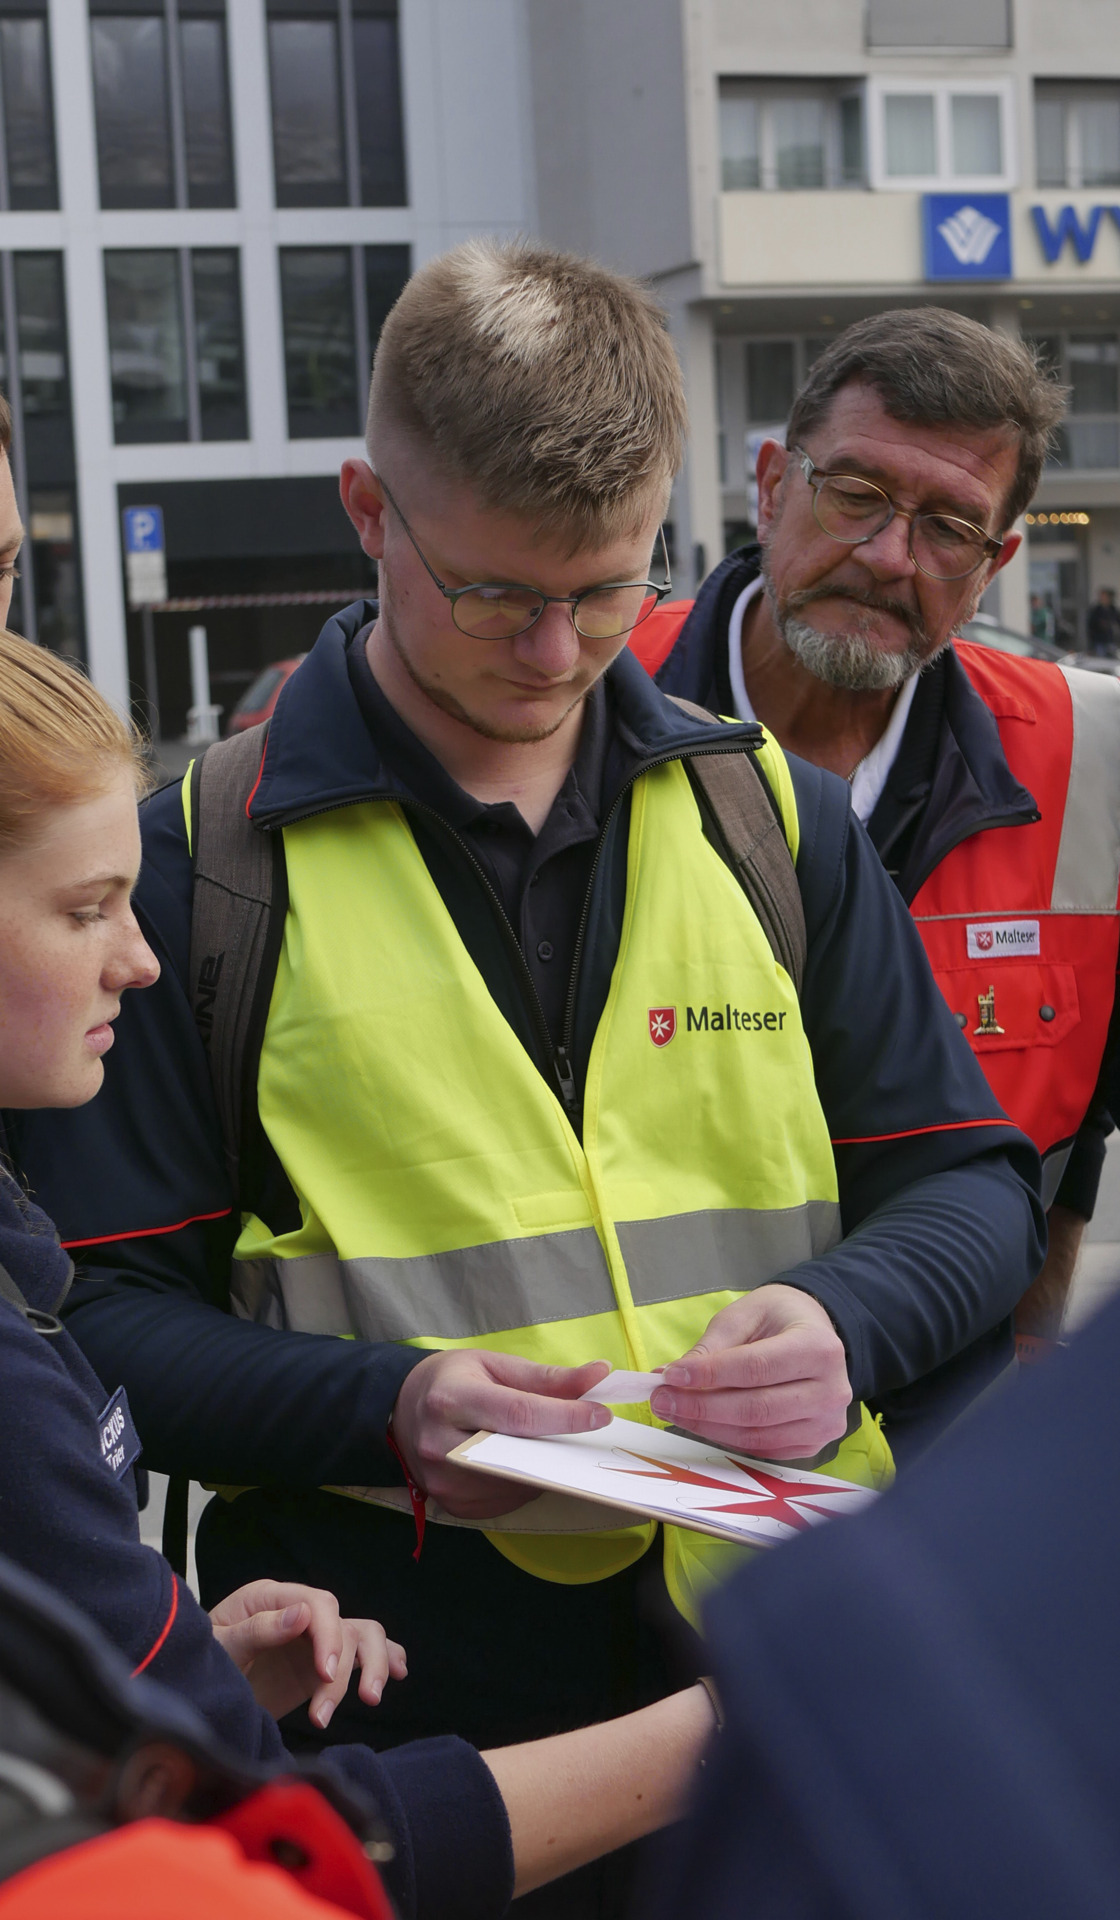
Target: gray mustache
{"points": [[807, 595]]}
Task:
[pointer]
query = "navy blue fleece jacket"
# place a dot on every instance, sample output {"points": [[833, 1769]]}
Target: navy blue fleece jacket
{"points": [[65, 1518], [938, 1191]]}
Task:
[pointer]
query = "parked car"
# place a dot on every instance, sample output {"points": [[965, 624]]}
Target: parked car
{"points": [[989, 633], [258, 702]]}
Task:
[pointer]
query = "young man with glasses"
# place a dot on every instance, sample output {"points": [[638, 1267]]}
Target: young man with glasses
{"points": [[510, 1126], [915, 444]]}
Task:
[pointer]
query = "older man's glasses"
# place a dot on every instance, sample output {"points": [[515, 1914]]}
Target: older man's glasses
{"points": [[497, 611], [853, 510]]}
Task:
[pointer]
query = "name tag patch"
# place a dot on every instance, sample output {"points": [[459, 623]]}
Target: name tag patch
{"points": [[117, 1435], [992, 938]]}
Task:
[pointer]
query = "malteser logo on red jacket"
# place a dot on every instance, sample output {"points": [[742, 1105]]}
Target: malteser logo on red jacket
{"points": [[662, 1025], [1002, 937]]}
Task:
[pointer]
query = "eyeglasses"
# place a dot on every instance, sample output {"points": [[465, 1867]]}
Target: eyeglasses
{"points": [[497, 611], [853, 511]]}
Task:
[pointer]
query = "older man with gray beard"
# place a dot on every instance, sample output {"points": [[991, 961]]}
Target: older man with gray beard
{"points": [[914, 446]]}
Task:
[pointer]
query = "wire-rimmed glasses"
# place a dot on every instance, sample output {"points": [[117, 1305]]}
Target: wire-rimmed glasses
{"points": [[498, 610], [853, 510]]}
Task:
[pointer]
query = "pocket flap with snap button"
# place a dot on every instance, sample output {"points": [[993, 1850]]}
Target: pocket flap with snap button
{"points": [[1012, 1003]]}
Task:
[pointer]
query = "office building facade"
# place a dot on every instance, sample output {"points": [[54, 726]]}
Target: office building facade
{"points": [[780, 171], [206, 209]]}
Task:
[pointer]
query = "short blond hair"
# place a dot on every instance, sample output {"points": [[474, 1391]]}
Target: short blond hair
{"points": [[60, 740], [545, 382]]}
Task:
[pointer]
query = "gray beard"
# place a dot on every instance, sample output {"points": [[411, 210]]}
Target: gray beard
{"points": [[850, 660]]}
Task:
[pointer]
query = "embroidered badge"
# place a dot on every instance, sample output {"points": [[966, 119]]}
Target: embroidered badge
{"points": [[117, 1435], [662, 1025], [1002, 937]]}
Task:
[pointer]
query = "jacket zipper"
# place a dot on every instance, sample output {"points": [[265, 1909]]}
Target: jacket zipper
{"points": [[983, 826], [559, 1057]]}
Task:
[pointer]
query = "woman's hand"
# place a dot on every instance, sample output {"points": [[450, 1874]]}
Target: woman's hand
{"points": [[292, 1645]]}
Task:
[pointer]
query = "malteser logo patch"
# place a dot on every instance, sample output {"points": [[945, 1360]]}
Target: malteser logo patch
{"points": [[1000, 937], [662, 1025]]}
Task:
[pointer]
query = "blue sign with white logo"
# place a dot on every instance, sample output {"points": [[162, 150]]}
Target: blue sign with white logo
{"points": [[967, 236], [143, 530]]}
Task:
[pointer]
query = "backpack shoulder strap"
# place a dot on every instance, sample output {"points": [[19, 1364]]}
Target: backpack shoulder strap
{"points": [[237, 926], [748, 822], [35, 1317]]}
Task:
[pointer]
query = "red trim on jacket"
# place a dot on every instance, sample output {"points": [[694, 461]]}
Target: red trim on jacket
{"points": [[167, 1626], [146, 1233], [914, 1133], [257, 781]]}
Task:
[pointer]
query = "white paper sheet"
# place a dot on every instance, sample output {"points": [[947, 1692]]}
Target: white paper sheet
{"points": [[668, 1477], [622, 1389]]}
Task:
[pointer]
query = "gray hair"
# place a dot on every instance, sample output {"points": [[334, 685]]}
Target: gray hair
{"points": [[935, 367]]}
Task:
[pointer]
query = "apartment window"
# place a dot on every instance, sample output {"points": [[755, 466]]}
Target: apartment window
{"points": [[923, 136], [175, 344], [774, 136], [161, 93], [46, 604], [951, 23], [337, 133], [28, 172], [334, 302], [775, 369], [1089, 364], [1077, 136]]}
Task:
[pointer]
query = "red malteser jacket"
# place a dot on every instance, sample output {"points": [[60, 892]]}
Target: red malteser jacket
{"points": [[1019, 918], [1021, 926]]}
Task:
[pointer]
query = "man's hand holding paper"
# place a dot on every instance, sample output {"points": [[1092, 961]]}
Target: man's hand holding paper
{"points": [[768, 1378], [451, 1395]]}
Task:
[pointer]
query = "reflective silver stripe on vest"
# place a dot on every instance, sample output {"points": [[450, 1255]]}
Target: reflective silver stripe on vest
{"points": [[549, 1277], [722, 1251], [1088, 869]]}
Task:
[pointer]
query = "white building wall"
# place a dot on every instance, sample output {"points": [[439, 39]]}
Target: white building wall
{"points": [[470, 169]]}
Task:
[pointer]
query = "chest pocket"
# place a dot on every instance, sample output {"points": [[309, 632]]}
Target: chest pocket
{"points": [[1007, 1004]]}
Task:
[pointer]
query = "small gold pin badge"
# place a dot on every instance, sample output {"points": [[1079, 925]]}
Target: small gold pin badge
{"points": [[987, 1005]]}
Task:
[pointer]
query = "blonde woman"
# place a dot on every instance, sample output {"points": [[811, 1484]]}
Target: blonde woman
{"points": [[470, 1830]]}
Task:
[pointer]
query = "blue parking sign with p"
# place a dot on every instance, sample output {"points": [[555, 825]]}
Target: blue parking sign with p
{"points": [[143, 530]]}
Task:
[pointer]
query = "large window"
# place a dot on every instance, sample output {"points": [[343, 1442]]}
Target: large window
{"points": [[162, 99], [1089, 364], [777, 136], [756, 380], [28, 174], [175, 344], [927, 135], [34, 374], [1077, 135], [334, 69], [334, 302]]}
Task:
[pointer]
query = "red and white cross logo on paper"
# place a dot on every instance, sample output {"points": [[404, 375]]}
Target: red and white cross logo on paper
{"points": [[662, 1025], [985, 939]]}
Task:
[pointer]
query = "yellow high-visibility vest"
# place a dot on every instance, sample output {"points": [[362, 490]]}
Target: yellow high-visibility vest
{"points": [[446, 1200]]}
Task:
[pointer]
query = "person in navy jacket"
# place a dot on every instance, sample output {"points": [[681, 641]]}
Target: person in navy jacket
{"points": [[468, 1830], [922, 1704], [917, 433], [528, 852]]}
